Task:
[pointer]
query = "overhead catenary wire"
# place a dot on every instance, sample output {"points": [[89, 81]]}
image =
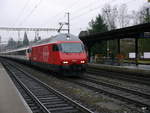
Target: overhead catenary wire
{"points": [[87, 6], [63, 11], [21, 12], [86, 12], [73, 5], [84, 7], [31, 12], [81, 9], [27, 9], [70, 6], [91, 10]]}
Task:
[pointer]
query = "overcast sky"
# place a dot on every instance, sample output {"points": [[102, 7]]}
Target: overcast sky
{"points": [[48, 13]]}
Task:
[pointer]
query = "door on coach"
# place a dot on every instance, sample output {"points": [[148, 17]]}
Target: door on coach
{"points": [[55, 54], [28, 53]]}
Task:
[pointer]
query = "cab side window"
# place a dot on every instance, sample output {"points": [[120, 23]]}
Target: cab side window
{"points": [[28, 51], [55, 47]]}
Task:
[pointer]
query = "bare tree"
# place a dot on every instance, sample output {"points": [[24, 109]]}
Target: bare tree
{"points": [[123, 16], [110, 16], [135, 18], [141, 16], [11, 43]]}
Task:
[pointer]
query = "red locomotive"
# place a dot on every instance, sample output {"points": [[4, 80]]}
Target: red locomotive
{"points": [[63, 53]]}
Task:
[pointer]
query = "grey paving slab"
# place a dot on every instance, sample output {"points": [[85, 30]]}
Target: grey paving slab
{"points": [[11, 100]]}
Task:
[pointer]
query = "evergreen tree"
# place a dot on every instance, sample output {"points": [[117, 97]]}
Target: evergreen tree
{"points": [[25, 40], [11, 44], [19, 43], [98, 25]]}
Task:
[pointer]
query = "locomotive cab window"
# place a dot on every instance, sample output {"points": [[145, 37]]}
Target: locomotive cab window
{"points": [[55, 47], [72, 47]]}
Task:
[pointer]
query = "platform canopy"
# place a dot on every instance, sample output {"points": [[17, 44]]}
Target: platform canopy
{"points": [[136, 31]]}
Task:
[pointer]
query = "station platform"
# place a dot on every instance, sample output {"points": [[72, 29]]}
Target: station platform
{"points": [[11, 100], [133, 69]]}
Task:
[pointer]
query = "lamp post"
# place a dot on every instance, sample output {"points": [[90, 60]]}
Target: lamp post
{"points": [[148, 15]]}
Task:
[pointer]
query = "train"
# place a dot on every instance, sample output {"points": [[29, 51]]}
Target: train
{"points": [[63, 53]]}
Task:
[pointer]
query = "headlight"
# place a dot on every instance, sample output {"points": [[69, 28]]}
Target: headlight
{"points": [[82, 61], [65, 62]]}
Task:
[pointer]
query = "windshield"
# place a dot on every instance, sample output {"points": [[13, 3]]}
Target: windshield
{"points": [[72, 47]]}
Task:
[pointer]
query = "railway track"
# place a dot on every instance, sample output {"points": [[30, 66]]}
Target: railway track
{"points": [[121, 76], [136, 98], [40, 97], [28, 97], [121, 88]]}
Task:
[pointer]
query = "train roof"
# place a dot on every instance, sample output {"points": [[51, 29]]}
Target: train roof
{"points": [[52, 39], [59, 37], [65, 37], [14, 50]]}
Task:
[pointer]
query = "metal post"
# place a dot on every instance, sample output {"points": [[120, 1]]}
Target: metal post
{"points": [[148, 16], [107, 49], [89, 54], [68, 22], [0, 44], [118, 51], [136, 51], [118, 43]]}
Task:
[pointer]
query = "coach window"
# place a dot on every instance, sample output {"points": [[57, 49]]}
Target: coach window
{"points": [[55, 47], [22, 52]]}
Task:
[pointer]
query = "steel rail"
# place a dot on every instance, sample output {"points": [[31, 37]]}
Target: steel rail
{"points": [[94, 80], [119, 95], [138, 103], [121, 76], [44, 109], [77, 106]]}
